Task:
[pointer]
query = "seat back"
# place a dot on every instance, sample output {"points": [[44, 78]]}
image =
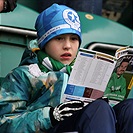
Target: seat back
{"points": [[16, 30]]}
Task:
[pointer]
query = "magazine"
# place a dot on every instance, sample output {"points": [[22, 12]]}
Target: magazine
{"points": [[93, 75]]}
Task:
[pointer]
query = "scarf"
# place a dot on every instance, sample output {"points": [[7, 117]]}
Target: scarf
{"points": [[46, 64]]}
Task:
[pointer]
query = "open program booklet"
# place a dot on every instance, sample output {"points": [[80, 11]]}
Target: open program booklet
{"points": [[97, 74]]}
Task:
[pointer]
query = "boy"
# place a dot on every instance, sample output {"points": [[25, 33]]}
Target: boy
{"points": [[30, 96]]}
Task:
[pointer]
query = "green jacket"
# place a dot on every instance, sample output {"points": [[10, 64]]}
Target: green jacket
{"points": [[116, 88]]}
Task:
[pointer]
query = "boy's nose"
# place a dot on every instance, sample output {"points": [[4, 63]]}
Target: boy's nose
{"points": [[67, 44]]}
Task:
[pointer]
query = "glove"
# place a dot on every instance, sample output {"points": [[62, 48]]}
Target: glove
{"points": [[64, 110], [10, 5]]}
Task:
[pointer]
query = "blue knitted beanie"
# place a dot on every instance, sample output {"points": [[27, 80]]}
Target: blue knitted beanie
{"points": [[54, 21]]}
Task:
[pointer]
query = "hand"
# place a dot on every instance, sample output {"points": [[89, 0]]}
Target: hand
{"points": [[65, 110]]}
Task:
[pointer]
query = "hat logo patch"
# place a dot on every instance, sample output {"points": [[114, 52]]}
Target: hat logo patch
{"points": [[72, 19]]}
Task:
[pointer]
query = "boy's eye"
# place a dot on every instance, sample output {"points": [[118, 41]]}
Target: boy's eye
{"points": [[58, 38], [74, 38]]}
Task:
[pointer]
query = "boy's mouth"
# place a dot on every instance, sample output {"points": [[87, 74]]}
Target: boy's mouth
{"points": [[66, 56]]}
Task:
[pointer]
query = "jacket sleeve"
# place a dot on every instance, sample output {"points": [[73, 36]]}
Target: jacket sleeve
{"points": [[19, 110]]}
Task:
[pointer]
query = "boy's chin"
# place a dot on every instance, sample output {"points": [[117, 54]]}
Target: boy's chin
{"points": [[65, 62]]}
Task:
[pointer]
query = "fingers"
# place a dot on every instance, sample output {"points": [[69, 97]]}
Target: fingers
{"points": [[71, 104], [67, 109]]}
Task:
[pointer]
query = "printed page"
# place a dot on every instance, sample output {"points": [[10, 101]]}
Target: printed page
{"points": [[90, 75], [121, 82]]}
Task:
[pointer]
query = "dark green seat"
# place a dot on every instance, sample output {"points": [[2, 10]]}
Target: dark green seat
{"points": [[16, 30]]}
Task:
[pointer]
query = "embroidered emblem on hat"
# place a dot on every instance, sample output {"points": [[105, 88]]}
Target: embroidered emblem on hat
{"points": [[72, 19]]}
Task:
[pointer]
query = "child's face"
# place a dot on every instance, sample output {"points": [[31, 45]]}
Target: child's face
{"points": [[63, 48]]}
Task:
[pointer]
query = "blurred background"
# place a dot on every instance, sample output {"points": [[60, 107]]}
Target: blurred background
{"points": [[107, 26], [120, 11]]}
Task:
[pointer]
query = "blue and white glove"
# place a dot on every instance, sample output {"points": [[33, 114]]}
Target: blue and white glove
{"points": [[65, 110]]}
